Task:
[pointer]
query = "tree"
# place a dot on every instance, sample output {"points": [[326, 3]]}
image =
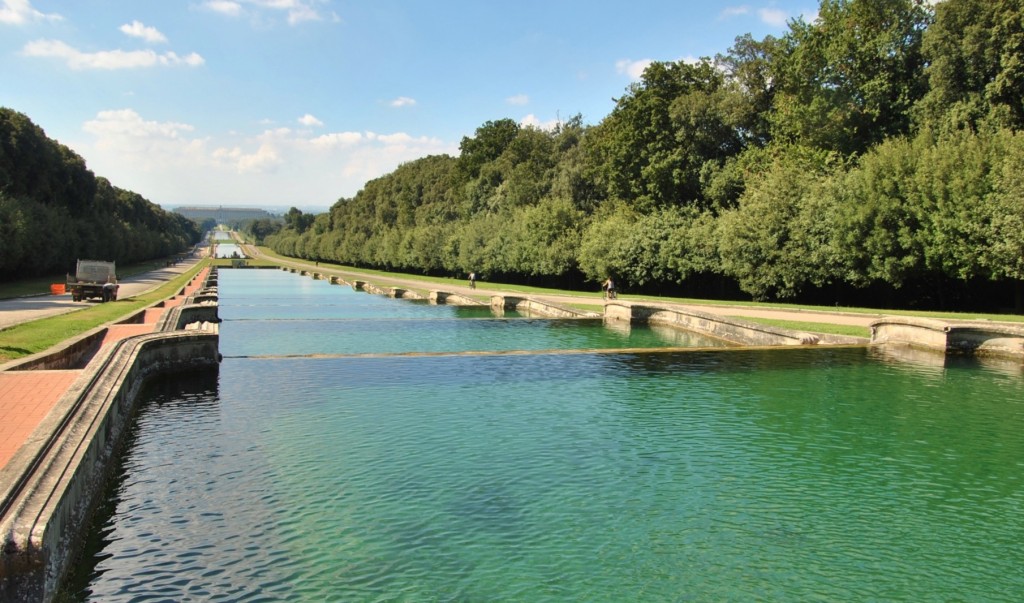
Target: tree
{"points": [[488, 143], [783, 235], [655, 142], [849, 80], [975, 54]]}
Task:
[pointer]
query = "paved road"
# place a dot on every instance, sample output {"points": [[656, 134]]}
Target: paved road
{"points": [[25, 309]]}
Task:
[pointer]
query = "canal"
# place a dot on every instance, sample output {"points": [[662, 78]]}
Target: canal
{"points": [[353, 447]]}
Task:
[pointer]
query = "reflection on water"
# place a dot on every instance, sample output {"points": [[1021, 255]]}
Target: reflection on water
{"points": [[798, 474]]}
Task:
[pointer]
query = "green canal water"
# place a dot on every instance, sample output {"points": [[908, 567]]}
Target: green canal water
{"points": [[326, 461]]}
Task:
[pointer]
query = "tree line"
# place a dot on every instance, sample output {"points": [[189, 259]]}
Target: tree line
{"points": [[54, 210], [872, 156]]}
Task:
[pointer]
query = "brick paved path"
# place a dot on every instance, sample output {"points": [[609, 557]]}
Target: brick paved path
{"points": [[26, 397]]}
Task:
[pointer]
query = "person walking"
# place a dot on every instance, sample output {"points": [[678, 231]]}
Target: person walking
{"points": [[472, 280]]}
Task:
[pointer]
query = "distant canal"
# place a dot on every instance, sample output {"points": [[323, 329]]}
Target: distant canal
{"points": [[225, 245], [358, 448]]}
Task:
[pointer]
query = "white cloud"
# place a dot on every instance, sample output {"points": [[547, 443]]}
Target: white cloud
{"points": [[309, 120], [519, 99], [337, 139], [171, 164], [734, 11], [300, 13], [224, 7], [403, 101], [107, 59], [773, 16], [137, 30], [19, 12], [295, 11], [532, 121], [125, 129], [634, 69], [264, 160]]}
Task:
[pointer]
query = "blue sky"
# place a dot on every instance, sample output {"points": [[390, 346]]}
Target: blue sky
{"points": [[300, 102]]}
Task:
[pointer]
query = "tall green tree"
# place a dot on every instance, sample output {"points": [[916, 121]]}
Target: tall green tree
{"points": [[975, 54], [850, 79]]}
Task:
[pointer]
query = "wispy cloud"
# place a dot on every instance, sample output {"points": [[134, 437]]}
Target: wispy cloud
{"points": [[108, 59], [19, 12], [121, 125], [773, 16], [309, 120], [294, 11], [149, 156], [631, 68], [770, 14], [734, 11], [403, 101], [535, 122], [224, 7], [519, 99], [136, 29]]}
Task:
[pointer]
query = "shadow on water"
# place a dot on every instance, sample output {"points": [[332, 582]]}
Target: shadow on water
{"points": [[197, 390]]}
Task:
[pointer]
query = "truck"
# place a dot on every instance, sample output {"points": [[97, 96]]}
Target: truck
{"points": [[93, 278]]}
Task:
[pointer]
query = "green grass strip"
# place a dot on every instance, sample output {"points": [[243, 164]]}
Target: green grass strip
{"points": [[36, 336], [811, 327]]}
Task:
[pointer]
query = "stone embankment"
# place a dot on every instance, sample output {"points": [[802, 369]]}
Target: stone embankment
{"points": [[49, 487]]}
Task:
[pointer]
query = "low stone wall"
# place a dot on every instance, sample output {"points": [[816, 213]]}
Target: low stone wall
{"points": [[948, 337], [73, 354], [53, 482], [400, 293], [452, 299], [528, 305], [723, 327]]}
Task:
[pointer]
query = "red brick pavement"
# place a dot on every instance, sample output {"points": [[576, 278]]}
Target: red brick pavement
{"points": [[25, 399]]}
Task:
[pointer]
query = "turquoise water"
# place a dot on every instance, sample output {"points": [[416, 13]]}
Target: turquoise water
{"points": [[732, 475]]}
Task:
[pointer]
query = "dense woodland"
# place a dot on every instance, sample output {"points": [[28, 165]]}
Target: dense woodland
{"points": [[54, 210], [875, 156]]}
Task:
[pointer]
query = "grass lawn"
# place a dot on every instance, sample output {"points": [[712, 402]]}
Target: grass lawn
{"points": [[34, 337], [812, 327]]}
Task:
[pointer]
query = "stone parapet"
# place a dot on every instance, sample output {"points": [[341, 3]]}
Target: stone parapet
{"points": [[951, 337], [452, 299], [723, 327], [531, 306]]}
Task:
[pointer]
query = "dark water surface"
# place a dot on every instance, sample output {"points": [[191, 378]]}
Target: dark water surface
{"points": [[732, 475]]}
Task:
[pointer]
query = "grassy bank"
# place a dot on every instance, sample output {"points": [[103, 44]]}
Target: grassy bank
{"points": [[39, 335]]}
